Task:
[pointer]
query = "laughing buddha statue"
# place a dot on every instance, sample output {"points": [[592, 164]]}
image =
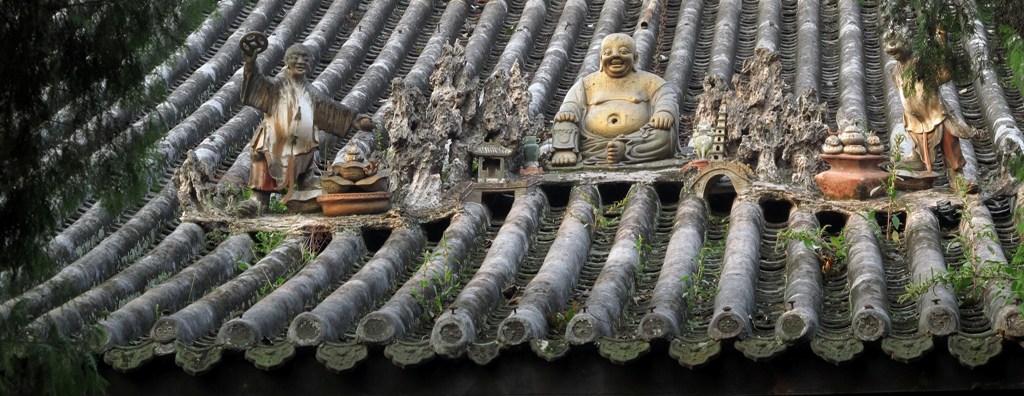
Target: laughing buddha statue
{"points": [[617, 115]]}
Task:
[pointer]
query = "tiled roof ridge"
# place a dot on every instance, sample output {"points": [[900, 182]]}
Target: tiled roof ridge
{"points": [[557, 273]]}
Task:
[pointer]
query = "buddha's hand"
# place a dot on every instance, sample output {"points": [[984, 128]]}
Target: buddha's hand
{"points": [[566, 116], [661, 120]]}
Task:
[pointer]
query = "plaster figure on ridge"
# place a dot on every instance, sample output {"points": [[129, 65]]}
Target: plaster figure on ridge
{"points": [[617, 114], [929, 120], [284, 147]]}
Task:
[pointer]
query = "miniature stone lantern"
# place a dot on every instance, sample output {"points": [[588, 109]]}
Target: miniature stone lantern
{"points": [[490, 158]]}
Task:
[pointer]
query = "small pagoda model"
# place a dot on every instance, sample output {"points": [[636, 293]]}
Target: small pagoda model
{"points": [[718, 139]]}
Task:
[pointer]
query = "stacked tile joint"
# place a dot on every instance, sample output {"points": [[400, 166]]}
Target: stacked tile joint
{"points": [[586, 264]]}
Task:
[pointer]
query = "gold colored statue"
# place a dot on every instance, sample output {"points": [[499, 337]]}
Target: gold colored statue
{"points": [[617, 114], [928, 119], [284, 148]]}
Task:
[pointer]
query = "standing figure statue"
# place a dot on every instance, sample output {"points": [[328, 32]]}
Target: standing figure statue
{"points": [[617, 114], [929, 120], [284, 148]]}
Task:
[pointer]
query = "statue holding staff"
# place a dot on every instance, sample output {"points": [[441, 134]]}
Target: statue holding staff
{"points": [[284, 148]]}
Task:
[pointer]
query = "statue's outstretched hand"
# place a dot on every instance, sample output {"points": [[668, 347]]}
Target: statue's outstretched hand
{"points": [[364, 122], [252, 44], [981, 134], [661, 120], [566, 116]]}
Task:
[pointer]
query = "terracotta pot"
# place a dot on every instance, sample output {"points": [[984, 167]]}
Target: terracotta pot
{"points": [[354, 203], [851, 176]]}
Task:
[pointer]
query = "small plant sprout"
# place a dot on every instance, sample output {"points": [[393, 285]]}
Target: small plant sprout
{"points": [[832, 250], [267, 241], [643, 249], [276, 206], [889, 185], [442, 284], [699, 287]]}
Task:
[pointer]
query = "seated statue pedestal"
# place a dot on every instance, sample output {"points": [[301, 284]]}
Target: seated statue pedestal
{"points": [[915, 180], [851, 176], [366, 195]]}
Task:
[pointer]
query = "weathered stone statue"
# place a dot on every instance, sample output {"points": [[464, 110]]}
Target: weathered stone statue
{"points": [[284, 148], [617, 114], [928, 119]]}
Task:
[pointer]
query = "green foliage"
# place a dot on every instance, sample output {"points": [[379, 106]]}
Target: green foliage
{"points": [[268, 286], [73, 83], [441, 285], [68, 63], [559, 320], [975, 274], [606, 215], [894, 224], [308, 256], [276, 206], [267, 241], [932, 31], [161, 278], [920, 19], [699, 287], [52, 366], [216, 237], [643, 249], [833, 251], [1014, 45], [1006, 17]]}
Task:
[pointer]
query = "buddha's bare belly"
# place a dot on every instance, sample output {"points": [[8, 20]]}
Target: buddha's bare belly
{"points": [[616, 117]]}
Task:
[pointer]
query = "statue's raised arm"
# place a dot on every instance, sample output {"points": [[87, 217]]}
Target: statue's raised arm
{"points": [[258, 90]]}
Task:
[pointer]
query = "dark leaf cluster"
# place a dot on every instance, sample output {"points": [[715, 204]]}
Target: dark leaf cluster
{"points": [[932, 31], [73, 82]]}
